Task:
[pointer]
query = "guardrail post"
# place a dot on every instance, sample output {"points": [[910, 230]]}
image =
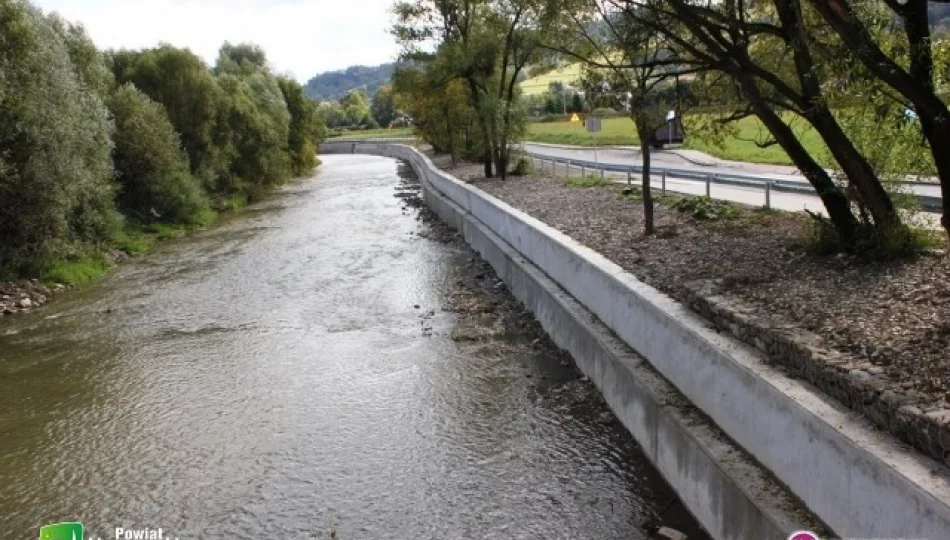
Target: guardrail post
{"points": [[768, 195], [583, 171], [708, 186], [628, 177], [601, 174], [663, 183]]}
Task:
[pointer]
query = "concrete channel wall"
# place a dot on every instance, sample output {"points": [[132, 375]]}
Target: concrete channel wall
{"points": [[856, 480]]}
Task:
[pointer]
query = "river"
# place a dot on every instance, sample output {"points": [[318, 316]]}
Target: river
{"points": [[294, 373]]}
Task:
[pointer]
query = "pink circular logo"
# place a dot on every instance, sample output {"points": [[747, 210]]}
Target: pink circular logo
{"points": [[803, 535]]}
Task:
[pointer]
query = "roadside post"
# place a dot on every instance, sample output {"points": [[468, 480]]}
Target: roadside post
{"points": [[593, 126]]}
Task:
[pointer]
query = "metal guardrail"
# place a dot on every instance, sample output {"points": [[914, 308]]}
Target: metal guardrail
{"points": [[927, 202]]}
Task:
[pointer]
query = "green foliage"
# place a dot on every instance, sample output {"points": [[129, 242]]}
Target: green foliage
{"points": [[152, 171], [305, 131], [589, 181], [153, 134], [89, 63], [258, 125], [873, 245], [55, 169], [524, 165], [383, 108], [245, 58], [706, 209], [77, 272], [184, 85]]}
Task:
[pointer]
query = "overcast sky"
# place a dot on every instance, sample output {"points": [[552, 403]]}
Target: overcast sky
{"points": [[301, 37]]}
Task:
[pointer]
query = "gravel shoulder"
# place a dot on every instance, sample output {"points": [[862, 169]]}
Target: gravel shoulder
{"points": [[885, 325]]}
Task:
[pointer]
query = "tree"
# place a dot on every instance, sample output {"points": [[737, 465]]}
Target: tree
{"points": [[241, 58], [258, 124], [382, 108], [767, 50], [155, 182], [185, 86], [304, 132], [55, 169], [631, 59], [915, 82], [356, 110], [441, 109], [486, 44], [89, 63]]}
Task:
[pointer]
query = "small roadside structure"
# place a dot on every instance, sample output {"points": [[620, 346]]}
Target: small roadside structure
{"points": [[672, 132]]}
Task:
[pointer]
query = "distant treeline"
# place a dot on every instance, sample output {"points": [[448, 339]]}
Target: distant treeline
{"points": [[334, 85], [94, 143]]}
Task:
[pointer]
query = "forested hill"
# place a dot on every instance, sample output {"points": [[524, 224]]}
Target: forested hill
{"points": [[335, 84]]}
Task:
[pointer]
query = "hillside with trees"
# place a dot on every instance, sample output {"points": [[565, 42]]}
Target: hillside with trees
{"points": [[337, 84], [99, 149]]}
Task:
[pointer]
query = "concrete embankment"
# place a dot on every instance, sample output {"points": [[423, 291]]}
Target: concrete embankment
{"points": [[715, 418]]}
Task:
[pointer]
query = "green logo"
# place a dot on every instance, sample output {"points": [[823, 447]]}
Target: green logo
{"points": [[61, 531]]}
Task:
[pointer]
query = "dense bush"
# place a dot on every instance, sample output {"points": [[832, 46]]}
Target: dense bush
{"points": [[184, 85], [151, 168], [305, 127], [55, 169], [150, 134]]}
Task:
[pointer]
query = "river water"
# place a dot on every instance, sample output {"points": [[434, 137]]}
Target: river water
{"points": [[291, 373]]}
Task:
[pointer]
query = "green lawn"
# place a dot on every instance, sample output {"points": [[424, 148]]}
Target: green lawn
{"points": [[742, 147], [373, 133]]}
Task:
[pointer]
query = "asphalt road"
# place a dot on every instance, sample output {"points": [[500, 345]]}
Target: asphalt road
{"points": [[702, 164]]}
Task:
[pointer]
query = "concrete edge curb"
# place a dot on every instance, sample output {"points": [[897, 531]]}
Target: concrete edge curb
{"points": [[730, 494], [858, 482]]}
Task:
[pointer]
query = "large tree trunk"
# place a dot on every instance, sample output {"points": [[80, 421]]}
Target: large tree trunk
{"points": [[917, 86], [873, 195], [475, 100], [648, 223], [497, 141], [833, 198], [852, 162]]}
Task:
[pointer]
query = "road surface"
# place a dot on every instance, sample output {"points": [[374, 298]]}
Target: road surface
{"points": [[675, 160]]}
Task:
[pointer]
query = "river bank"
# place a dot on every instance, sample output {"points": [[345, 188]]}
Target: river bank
{"points": [[487, 312], [371, 394], [871, 334]]}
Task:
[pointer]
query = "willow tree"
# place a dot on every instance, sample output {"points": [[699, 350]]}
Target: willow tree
{"points": [[55, 169], [913, 76]]}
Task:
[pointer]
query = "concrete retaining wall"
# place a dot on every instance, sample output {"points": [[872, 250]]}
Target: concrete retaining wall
{"points": [[859, 482]]}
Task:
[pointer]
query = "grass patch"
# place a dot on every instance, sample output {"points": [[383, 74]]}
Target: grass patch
{"points": [[616, 131], [741, 147], [235, 202], [706, 209], [870, 245], [75, 273], [631, 193], [135, 242], [589, 181], [372, 133]]}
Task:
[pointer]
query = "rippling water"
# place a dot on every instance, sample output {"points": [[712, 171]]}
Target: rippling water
{"points": [[269, 378]]}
